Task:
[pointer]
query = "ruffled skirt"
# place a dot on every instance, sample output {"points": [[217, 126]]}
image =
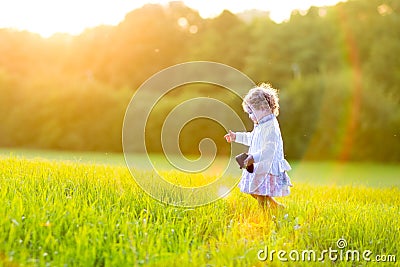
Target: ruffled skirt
{"points": [[265, 184]]}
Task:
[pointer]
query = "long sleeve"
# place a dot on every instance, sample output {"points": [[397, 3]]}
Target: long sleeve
{"points": [[244, 138]]}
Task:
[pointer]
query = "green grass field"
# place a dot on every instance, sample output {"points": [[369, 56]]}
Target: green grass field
{"points": [[86, 210]]}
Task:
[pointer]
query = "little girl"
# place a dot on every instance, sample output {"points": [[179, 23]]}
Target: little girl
{"points": [[269, 178]]}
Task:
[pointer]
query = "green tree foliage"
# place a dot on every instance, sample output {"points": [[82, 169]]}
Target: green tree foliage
{"points": [[337, 69], [224, 39]]}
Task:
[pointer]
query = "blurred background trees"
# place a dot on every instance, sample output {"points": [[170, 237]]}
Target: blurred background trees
{"points": [[337, 69]]}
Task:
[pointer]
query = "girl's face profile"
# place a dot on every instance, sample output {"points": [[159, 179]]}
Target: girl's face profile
{"points": [[256, 114], [252, 117]]}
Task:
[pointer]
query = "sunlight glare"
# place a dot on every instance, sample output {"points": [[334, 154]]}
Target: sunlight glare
{"points": [[280, 10], [47, 17]]}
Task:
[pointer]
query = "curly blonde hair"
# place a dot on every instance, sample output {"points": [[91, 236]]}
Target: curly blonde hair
{"points": [[264, 97]]}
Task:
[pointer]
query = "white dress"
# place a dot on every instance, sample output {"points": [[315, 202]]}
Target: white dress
{"points": [[269, 177]]}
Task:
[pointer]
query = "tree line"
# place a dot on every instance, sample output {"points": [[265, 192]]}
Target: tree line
{"points": [[337, 69]]}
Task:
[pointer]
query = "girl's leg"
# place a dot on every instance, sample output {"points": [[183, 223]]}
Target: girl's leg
{"points": [[275, 204], [267, 202], [262, 201]]}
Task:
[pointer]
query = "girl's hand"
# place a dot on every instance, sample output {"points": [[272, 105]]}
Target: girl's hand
{"points": [[230, 136], [249, 160]]}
